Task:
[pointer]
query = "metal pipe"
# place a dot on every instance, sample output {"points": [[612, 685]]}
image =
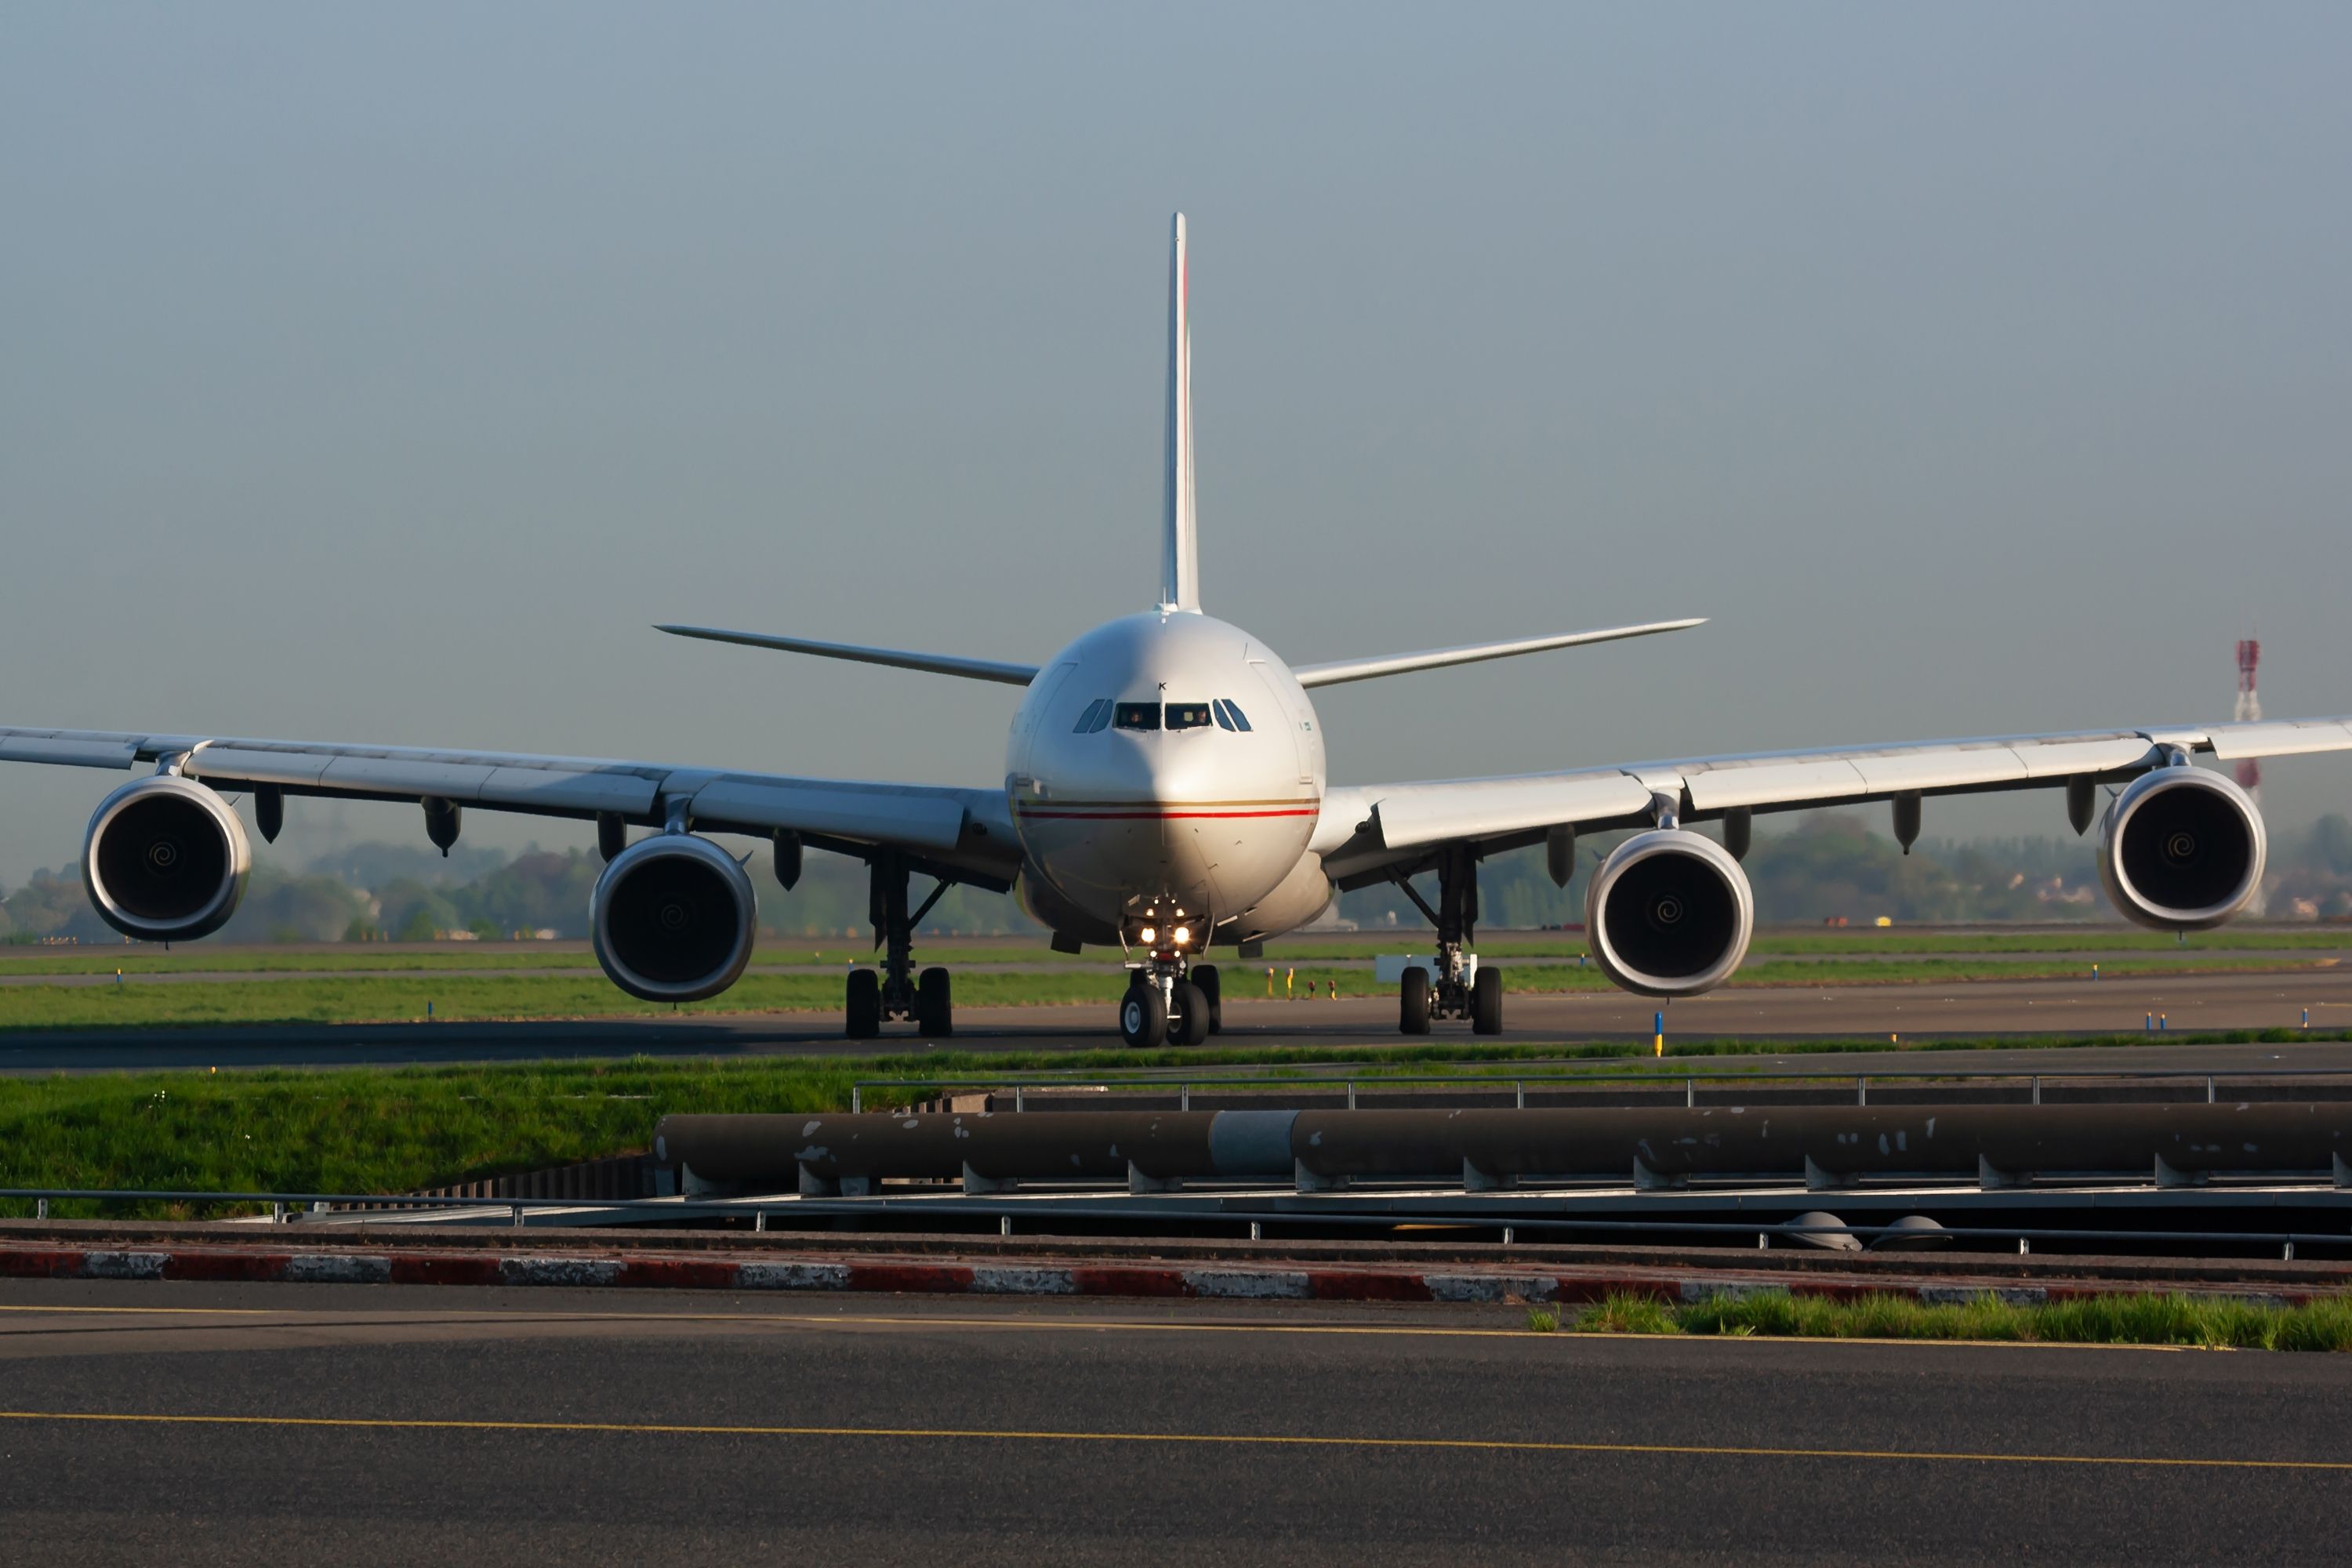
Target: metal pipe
{"points": [[779, 1152], [1824, 1145], [1829, 1145], [1146, 1078]]}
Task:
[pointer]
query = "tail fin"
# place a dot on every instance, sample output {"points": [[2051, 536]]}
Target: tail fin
{"points": [[1180, 559]]}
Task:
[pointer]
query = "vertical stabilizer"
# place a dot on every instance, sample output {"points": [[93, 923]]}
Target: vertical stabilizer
{"points": [[1180, 562]]}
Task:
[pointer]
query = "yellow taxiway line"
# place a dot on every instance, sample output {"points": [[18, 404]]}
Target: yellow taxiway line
{"points": [[1233, 1439]]}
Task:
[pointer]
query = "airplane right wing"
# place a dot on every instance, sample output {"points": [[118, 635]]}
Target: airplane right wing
{"points": [[1374, 833], [1338, 670]]}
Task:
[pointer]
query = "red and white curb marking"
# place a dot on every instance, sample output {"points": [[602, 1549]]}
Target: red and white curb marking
{"points": [[941, 1276]]}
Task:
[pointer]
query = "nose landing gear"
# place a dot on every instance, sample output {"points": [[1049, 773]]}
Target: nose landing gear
{"points": [[897, 993], [1169, 1003]]}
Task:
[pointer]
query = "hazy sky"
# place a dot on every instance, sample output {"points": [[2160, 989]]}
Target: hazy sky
{"points": [[380, 373]]}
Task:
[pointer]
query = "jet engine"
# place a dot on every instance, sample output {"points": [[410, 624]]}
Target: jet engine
{"points": [[1669, 914], [673, 918], [2181, 848], [165, 859]]}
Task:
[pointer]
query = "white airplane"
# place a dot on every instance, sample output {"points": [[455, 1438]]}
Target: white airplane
{"points": [[1164, 791]]}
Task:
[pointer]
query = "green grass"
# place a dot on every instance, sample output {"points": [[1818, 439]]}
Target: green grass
{"points": [[2088, 939], [370, 999], [2209, 1322], [584, 993], [363, 1131], [366, 1129]]}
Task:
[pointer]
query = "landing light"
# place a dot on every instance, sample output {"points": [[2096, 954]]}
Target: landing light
{"points": [[1184, 935], [1150, 936]]}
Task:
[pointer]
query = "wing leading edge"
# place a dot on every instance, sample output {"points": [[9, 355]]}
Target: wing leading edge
{"points": [[899, 659], [1367, 833], [1338, 670], [969, 831]]}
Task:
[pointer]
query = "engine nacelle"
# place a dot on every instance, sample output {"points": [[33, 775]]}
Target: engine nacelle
{"points": [[673, 918], [2181, 849], [1669, 914], [165, 859]]}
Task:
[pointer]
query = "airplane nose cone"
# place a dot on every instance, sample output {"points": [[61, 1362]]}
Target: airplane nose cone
{"points": [[1183, 767]]}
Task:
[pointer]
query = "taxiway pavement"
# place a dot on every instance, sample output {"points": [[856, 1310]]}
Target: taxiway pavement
{"points": [[2205, 1003], [150, 1421]]}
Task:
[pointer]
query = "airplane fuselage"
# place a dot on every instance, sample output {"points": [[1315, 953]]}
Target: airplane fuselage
{"points": [[1166, 767]]}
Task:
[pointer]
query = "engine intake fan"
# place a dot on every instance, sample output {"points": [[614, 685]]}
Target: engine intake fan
{"points": [[2181, 848], [673, 919], [165, 861], [1669, 914]]}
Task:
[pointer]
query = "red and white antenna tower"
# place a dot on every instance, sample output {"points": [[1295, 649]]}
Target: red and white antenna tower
{"points": [[2250, 772]]}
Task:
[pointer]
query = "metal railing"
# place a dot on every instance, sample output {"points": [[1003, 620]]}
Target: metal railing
{"points": [[1190, 1212], [1691, 1078], [283, 1206]]}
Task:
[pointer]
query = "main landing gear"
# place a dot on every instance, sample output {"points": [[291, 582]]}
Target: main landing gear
{"points": [[897, 993], [1168, 1002], [1461, 988]]}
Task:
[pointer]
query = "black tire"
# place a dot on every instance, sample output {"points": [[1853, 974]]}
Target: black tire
{"points": [[1191, 1024], [935, 1004], [1486, 1003], [1204, 975], [865, 1008], [1143, 1017], [1413, 1001]]}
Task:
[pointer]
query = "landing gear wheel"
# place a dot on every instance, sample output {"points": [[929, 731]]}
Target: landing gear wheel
{"points": [[1486, 1003], [935, 1004], [1413, 1001], [1192, 1016], [864, 1005], [1204, 975], [1143, 1017]]}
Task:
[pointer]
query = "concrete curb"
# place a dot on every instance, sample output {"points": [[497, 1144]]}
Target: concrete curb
{"points": [[1014, 1277]]}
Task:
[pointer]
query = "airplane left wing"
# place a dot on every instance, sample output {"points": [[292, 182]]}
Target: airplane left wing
{"points": [[1373, 833], [966, 831]]}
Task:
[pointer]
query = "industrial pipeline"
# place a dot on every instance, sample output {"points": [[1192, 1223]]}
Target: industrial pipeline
{"points": [[1825, 1147]]}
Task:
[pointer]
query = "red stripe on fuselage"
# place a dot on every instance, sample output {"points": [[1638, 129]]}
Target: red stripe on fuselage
{"points": [[1167, 816]]}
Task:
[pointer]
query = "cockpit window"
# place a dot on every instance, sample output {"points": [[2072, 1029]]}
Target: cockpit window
{"points": [[1102, 713]]}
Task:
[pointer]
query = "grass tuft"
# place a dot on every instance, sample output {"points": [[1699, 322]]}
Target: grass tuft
{"points": [[1629, 1312], [2211, 1323]]}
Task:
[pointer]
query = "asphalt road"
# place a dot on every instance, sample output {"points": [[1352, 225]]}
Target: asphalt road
{"points": [[2201, 1003], [190, 1424]]}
